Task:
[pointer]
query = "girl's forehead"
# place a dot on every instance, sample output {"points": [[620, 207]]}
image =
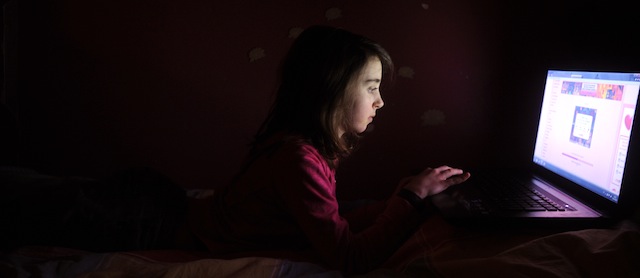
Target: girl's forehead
{"points": [[372, 69], [370, 72]]}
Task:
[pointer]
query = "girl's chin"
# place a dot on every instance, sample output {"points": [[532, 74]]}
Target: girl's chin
{"points": [[360, 129]]}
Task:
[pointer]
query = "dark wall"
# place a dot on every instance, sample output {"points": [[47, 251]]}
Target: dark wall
{"points": [[181, 86]]}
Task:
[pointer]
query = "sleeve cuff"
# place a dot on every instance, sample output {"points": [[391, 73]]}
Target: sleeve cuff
{"points": [[412, 198]]}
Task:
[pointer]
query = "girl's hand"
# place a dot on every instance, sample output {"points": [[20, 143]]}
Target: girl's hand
{"points": [[433, 181]]}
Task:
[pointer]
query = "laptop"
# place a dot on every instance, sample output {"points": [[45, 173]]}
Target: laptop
{"points": [[583, 166]]}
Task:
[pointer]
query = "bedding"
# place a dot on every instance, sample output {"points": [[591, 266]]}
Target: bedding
{"points": [[444, 252], [437, 249], [611, 252], [62, 262]]}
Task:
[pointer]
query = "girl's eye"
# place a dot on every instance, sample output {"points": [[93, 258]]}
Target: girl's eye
{"points": [[372, 89]]}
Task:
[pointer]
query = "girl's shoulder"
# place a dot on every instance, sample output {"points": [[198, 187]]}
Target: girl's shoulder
{"points": [[298, 146], [292, 149]]}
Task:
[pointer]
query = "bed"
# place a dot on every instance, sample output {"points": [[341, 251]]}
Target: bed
{"points": [[437, 249]]}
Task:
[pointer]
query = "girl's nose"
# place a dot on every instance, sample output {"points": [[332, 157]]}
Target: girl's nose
{"points": [[378, 103]]}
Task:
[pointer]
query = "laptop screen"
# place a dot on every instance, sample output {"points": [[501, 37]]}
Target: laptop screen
{"points": [[585, 126]]}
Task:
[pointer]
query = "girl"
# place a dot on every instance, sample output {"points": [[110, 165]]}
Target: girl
{"points": [[283, 201]]}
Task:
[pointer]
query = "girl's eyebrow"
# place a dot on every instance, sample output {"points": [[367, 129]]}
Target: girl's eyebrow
{"points": [[376, 80]]}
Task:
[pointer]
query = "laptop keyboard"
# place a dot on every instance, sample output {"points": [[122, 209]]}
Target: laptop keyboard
{"points": [[510, 194]]}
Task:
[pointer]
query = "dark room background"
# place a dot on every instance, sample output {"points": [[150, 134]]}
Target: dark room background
{"points": [[94, 87]]}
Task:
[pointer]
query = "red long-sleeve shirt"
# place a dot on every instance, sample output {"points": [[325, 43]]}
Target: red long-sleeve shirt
{"points": [[285, 203]]}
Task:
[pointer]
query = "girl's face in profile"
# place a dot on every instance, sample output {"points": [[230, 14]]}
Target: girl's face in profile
{"points": [[365, 91]]}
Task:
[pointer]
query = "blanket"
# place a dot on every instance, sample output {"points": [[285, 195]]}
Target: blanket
{"points": [[445, 251], [436, 249], [62, 262], [611, 252]]}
